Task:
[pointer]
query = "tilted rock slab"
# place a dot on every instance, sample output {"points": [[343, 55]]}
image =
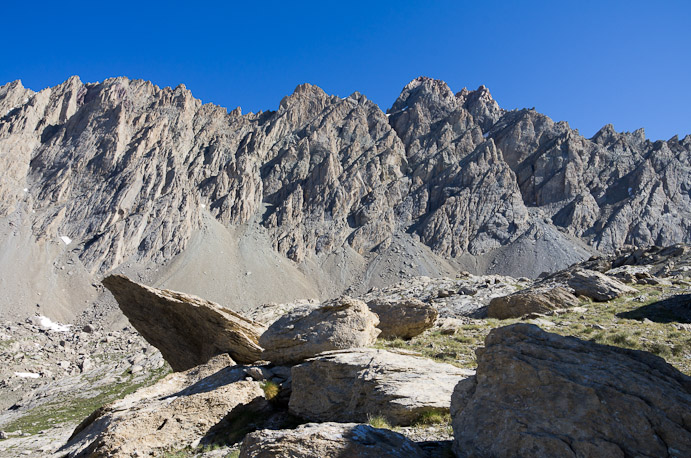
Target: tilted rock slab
{"points": [[538, 300], [317, 440], [543, 395], [597, 286], [404, 318], [307, 331], [351, 385], [172, 414], [186, 329]]}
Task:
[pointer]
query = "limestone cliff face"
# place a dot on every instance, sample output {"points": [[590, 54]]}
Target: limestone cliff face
{"points": [[127, 170]]}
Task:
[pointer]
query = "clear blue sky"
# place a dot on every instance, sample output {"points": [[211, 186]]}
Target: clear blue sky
{"points": [[586, 62]]}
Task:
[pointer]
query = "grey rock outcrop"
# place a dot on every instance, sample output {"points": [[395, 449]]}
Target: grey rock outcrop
{"points": [[307, 331], [186, 329], [597, 286], [541, 394], [533, 300], [316, 440], [349, 385], [174, 413], [404, 318]]}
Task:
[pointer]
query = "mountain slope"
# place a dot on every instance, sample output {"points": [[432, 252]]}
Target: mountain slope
{"points": [[122, 175]]}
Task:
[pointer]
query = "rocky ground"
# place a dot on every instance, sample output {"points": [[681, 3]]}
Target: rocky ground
{"points": [[54, 375]]}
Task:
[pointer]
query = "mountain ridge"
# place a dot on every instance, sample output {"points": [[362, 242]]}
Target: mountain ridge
{"points": [[128, 172]]}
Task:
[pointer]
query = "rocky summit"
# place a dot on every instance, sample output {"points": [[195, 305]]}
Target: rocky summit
{"points": [[442, 278], [322, 195]]}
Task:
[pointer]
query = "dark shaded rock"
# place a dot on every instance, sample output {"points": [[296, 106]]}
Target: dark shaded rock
{"points": [[186, 329], [676, 309]]}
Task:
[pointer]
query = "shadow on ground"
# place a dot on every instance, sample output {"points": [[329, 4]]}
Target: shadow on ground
{"points": [[676, 309]]}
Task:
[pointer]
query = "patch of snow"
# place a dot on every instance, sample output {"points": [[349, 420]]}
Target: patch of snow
{"points": [[486, 134], [630, 192], [203, 205], [26, 375], [47, 323], [26, 189], [66, 239]]}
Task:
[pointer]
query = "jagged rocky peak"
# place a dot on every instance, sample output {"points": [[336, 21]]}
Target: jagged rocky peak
{"points": [[431, 94], [129, 172]]}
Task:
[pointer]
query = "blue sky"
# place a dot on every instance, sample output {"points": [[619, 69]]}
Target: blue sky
{"points": [[590, 63]]}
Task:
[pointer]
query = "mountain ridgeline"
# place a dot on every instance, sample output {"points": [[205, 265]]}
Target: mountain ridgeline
{"points": [[129, 175]]}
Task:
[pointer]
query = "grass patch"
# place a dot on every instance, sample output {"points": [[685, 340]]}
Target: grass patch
{"points": [[271, 389], [604, 322], [378, 421], [76, 409], [433, 418]]}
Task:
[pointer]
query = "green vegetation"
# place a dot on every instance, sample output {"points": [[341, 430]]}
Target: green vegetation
{"points": [[271, 389], [75, 410], [433, 418], [378, 421], [601, 322]]}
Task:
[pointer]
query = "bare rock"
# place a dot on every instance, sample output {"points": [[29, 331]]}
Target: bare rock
{"points": [[174, 413], [541, 394], [597, 286], [186, 329], [317, 440], [538, 300], [308, 331], [349, 385], [404, 318]]}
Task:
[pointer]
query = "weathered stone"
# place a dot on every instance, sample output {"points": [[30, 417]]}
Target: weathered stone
{"points": [[307, 331], [404, 318], [173, 414], [541, 394], [317, 440], [186, 329], [538, 300], [350, 385], [597, 286]]}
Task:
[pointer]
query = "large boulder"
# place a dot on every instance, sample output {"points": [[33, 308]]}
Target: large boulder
{"points": [[186, 329], [318, 440], [405, 318], [543, 395], [307, 331], [538, 300], [351, 385], [174, 413], [597, 286]]}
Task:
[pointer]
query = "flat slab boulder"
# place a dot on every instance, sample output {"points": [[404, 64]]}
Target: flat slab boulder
{"points": [[404, 318], [318, 440], [186, 329], [538, 300], [543, 395], [174, 413], [597, 286], [349, 386], [309, 330]]}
